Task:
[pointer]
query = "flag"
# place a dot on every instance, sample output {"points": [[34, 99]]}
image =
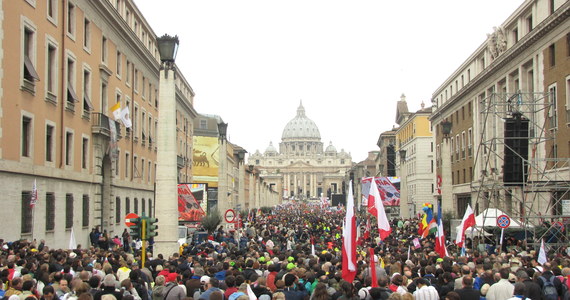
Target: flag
{"points": [[250, 293], [116, 110], [468, 221], [34, 199], [373, 268], [367, 229], [376, 208], [125, 117], [349, 239], [409, 248], [428, 222], [313, 246], [417, 243], [541, 254], [440, 236], [72, 242]]}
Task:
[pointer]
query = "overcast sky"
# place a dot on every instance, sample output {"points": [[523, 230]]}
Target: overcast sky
{"points": [[252, 61]]}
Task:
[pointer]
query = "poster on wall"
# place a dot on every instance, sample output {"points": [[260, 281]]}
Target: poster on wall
{"points": [[192, 202], [205, 159], [389, 193]]}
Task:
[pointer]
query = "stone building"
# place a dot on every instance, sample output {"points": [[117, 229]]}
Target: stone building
{"points": [[501, 120], [63, 66], [302, 168]]}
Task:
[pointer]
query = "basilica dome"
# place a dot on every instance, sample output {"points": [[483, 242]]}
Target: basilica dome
{"points": [[301, 127]]}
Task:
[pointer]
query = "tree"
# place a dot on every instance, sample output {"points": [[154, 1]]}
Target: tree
{"points": [[212, 220]]}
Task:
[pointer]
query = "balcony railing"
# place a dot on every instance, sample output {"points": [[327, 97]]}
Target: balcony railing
{"points": [[100, 125]]}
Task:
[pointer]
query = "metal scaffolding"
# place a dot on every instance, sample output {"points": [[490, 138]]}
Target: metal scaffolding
{"points": [[540, 201]]}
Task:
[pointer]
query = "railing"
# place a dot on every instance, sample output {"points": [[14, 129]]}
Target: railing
{"points": [[100, 125]]}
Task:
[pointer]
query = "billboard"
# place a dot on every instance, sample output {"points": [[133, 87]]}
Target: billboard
{"points": [[192, 201], [205, 159], [389, 193]]}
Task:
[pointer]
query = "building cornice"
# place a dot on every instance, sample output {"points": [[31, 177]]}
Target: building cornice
{"points": [[525, 43]]}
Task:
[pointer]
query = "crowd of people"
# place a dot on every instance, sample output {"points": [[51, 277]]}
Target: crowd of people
{"points": [[292, 253]]}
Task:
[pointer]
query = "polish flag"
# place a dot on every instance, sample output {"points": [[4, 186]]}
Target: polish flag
{"points": [[468, 221], [367, 230], [376, 208], [440, 236], [349, 239]]}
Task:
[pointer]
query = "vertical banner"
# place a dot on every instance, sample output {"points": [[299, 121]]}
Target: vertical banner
{"points": [[113, 142]]}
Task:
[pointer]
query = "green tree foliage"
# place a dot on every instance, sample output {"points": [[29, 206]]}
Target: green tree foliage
{"points": [[212, 220]]}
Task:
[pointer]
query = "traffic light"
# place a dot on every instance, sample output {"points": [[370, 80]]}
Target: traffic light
{"points": [[135, 229], [151, 228]]}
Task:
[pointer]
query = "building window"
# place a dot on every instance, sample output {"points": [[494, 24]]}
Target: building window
{"points": [[71, 95], [552, 112], [119, 63], [68, 148], [27, 138], [552, 55], [52, 10], [85, 217], [104, 100], [87, 104], [70, 18], [86, 34], [30, 73], [68, 211], [26, 212], [529, 24], [117, 210], [128, 80], [136, 80], [143, 203], [51, 70], [551, 7], [50, 211], [136, 206], [127, 205], [49, 142], [203, 124], [104, 50], [127, 161], [568, 44], [85, 153], [150, 207]]}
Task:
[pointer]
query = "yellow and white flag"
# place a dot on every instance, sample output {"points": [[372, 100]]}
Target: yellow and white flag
{"points": [[126, 117], [116, 109]]}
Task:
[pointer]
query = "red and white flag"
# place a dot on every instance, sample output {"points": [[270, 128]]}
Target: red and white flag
{"points": [[367, 229], [468, 221], [440, 236], [542, 254], [349, 239], [376, 208]]}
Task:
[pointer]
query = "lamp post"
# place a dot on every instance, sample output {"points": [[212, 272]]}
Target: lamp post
{"points": [[446, 172], [224, 195], [405, 206], [166, 169]]}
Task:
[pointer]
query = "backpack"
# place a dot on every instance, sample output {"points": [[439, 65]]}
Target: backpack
{"points": [[565, 291], [548, 289]]}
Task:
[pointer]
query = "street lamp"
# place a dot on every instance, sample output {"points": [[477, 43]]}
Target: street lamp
{"points": [[167, 48], [403, 155], [166, 207], [446, 128], [222, 129]]}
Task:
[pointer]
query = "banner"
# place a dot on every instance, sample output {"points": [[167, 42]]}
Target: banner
{"points": [[189, 209], [390, 195], [113, 148]]}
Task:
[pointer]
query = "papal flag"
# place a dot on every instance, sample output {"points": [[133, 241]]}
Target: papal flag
{"points": [[116, 110], [126, 117]]}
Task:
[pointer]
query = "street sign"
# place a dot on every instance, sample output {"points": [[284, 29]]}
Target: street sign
{"points": [[128, 218], [503, 221], [230, 215]]}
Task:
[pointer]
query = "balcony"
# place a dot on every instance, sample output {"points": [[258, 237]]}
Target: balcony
{"points": [[100, 125]]}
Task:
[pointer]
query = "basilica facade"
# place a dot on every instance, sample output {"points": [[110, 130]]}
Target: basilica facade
{"points": [[302, 169]]}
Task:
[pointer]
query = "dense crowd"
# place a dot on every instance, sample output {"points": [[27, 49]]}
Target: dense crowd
{"points": [[294, 253]]}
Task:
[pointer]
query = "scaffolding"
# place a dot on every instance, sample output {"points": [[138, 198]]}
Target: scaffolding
{"points": [[540, 201]]}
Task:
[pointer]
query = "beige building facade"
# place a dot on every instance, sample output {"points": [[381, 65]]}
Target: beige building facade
{"points": [[63, 65], [508, 108]]}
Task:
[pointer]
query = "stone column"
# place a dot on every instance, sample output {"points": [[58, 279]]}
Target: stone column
{"points": [[166, 209], [446, 176]]}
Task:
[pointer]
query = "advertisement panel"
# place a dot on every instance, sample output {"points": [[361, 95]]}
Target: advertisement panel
{"points": [[205, 160], [389, 193], [192, 202]]}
